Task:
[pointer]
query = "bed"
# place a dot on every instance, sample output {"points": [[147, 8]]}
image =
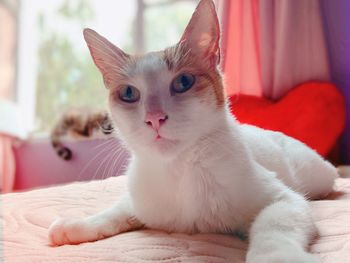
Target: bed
{"points": [[26, 216]]}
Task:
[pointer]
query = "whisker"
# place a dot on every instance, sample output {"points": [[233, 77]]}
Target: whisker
{"points": [[114, 159], [91, 160], [110, 171], [109, 140], [119, 165], [106, 158], [109, 163]]}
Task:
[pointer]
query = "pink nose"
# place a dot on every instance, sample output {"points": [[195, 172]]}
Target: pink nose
{"points": [[155, 119]]}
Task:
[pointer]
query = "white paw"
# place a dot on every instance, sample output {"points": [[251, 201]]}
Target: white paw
{"points": [[69, 231], [282, 257]]}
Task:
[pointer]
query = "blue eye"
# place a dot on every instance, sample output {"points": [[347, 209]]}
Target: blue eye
{"points": [[129, 94], [182, 83]]}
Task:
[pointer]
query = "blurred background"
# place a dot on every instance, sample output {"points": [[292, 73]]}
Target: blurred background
{"points": [[45, 65], [269, 48]]}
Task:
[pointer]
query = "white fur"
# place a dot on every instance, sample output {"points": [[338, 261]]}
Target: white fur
{"points": [[232, 178], [208, 173]]}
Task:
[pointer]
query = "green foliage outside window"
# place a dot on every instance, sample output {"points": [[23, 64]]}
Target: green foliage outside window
{"points": [[65, 78]]}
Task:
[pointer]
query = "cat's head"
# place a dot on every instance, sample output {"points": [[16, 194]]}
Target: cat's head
{"points": [[161, 102]]}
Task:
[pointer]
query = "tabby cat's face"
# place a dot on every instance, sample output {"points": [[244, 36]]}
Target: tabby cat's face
{"points": [[163, 101]]}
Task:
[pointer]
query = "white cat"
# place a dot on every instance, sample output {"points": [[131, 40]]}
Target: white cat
{"points": [[194, 168]]}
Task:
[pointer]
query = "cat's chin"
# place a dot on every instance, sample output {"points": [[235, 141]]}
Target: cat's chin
{"points": [[165, 146], [161, 147]]}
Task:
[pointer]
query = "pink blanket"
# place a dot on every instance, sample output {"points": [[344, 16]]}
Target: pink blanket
{"points": [[26, 217]]}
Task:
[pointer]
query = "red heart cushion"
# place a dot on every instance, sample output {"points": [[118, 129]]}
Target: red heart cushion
{"points": [[313, 112]]}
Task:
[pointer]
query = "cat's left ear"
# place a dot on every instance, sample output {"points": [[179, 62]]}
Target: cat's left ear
{"points": [[108, 58], [202, 34]]}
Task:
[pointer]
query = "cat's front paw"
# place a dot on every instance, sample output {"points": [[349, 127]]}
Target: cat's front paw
{"points": [[281, 257], [69, 231]]}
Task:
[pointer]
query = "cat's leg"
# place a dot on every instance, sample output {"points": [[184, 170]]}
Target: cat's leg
{"points": [[317, 178], [119, 218], [282, 232]]}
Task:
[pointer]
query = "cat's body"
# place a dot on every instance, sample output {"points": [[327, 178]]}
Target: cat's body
{"points": [[206, 181], [294, 163], [194, 168]]}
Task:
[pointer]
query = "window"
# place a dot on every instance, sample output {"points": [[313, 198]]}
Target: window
{"points": [[8, 42], [55, 70]]}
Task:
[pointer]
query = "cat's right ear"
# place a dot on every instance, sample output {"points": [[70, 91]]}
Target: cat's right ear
{"points": [[202, 34], [107, 57]]}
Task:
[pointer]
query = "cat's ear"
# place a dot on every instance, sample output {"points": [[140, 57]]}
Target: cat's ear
{"points": [[107, 57], [202, 34]]}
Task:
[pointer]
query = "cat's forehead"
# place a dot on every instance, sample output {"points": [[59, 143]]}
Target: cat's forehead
{"points": [[151, 72], [149, 65]]}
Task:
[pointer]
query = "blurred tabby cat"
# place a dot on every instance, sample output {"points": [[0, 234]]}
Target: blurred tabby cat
{"points": [[79, 123]]}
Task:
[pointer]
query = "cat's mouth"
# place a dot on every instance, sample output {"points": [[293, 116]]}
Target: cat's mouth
{"points": [[164, 143], [159, 138]]}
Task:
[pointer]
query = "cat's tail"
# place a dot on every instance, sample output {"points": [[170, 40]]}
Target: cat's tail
{"points": [[326, 178], [57, 133], [62, 151], [344, 171]]}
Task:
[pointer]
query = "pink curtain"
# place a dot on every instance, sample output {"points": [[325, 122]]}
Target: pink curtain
{"points": [[7, 163], [269, 46], [11, 133], [8, 33]]}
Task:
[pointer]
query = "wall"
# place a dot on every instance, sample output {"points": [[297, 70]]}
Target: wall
{"points": [[38, 165]]}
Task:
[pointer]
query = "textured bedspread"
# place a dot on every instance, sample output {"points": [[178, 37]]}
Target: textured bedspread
{"points": [[26, 216]]}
